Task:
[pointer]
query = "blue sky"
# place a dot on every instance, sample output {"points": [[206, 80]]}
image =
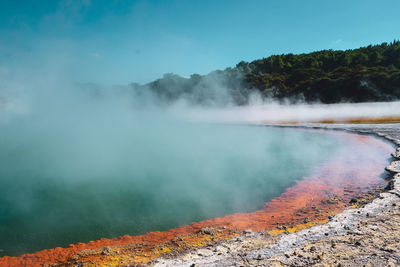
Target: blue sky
{"points": [[118, 42]]}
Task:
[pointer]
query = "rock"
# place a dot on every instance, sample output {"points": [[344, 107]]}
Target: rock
{"points": [[332, 201], [204, 252], [105, 250], [353, 200], [248, 233], [390, 185], [394, 167], [206, 231], [396, 154]]}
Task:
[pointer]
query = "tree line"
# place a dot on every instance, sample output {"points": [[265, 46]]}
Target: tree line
{"points": [[369, 73]]}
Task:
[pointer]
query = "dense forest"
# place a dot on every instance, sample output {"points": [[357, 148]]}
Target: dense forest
{"points": [[369, 73]]}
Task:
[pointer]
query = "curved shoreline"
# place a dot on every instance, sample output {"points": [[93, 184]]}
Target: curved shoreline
{"points": [[354, 237], [211, 238]]}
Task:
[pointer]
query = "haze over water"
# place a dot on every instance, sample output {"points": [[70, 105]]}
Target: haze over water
{"points": [[81, 180], [81, 161]]}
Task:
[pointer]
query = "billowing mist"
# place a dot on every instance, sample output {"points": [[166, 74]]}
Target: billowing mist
{"points": [[272, 112], [84, 161], [93, 145], [81, 162]]}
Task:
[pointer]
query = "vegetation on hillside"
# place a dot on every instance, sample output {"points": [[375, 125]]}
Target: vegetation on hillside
{"points": [[369, 73]]}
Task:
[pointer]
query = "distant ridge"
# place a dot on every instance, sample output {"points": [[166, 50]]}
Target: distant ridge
{"points": [[365, 74]]}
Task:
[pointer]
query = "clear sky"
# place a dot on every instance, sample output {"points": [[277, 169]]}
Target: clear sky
{"points": [[118, 42]]}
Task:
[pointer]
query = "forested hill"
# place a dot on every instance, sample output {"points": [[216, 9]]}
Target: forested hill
{"points": [[366, 74]]}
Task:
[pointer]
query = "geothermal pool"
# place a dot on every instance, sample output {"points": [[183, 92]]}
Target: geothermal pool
{"points": [[58, 188]]}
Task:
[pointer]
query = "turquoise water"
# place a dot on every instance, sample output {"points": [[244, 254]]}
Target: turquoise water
{"points": [[69, 184]]}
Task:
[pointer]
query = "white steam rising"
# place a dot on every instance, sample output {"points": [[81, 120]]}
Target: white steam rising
{"points": [[274, 112], [107, 162]]}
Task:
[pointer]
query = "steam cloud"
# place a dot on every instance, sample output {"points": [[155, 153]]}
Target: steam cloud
{"points": [[69, 149], [83, 161]]}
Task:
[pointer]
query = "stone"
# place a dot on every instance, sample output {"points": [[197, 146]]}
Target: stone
{"points": [[353, 200], [248, 231], [390, 185], [206, 231], [105, 250], [204, 252], [394, 167], [396, 154]]}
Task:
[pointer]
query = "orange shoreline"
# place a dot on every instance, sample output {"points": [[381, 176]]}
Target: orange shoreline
{"points": [[354, 120], [310, 201], [362, 120]]}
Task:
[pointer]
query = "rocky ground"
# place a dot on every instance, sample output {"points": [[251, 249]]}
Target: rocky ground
{"points": [[365, 236]]}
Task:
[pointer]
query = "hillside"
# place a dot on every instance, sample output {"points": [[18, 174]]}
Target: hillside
{"points": [[365, 74]]}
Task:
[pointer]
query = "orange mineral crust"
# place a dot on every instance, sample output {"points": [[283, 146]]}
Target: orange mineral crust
{"points": [[352, 120], [360, 120], [350, 176]]}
